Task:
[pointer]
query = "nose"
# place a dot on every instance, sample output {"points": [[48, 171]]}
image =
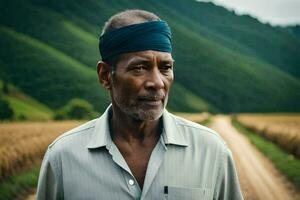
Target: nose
{"points": [[154, 79]]}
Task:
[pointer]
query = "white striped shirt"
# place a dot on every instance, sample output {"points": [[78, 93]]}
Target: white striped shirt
{"points": [[189, 161]]}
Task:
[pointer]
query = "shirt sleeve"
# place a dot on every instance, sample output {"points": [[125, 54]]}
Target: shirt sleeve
{"points": [[228, 187], [49, 187]]}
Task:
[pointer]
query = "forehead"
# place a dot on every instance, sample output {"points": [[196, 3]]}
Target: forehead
{"points": [[148, 55]]}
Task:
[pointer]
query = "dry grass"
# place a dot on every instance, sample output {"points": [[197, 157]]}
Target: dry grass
{"points": [[23, 144], [283, 130]]}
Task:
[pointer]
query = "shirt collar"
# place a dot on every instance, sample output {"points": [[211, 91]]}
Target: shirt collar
{"points": [[172, 134], [101, 134]]}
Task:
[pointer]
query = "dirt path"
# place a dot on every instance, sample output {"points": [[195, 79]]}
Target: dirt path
{"points": [[30, 197], [258, 178]]}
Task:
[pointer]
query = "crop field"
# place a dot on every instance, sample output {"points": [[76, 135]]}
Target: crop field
{"points": [[201, 118], [282, 129], [22, 145]]}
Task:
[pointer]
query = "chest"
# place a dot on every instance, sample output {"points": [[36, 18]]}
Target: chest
{"points": [[138, 162], [101, 174]]}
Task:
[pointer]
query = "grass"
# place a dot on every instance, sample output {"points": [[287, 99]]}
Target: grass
{"points": [[29, 109], [285, 162], [183, 100], [53, 78], [87, 37], [46, 49], [206, 121], [25, 107], [12, 186], [283, 130]]}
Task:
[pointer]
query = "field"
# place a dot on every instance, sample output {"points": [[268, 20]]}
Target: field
{"points": [[22, 145], [201, 118], [283, 129]]}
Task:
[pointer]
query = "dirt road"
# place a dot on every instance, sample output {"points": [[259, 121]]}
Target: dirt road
{"points": [[30, 197], [258, 178]]}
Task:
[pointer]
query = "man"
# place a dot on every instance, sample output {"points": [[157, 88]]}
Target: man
{"points": [[136, 149]]}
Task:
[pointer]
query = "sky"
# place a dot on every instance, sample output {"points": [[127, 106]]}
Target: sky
{"points": [[275, 12]]}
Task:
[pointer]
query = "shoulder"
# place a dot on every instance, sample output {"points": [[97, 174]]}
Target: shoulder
{"points": [[198, 134], [75, 136]]}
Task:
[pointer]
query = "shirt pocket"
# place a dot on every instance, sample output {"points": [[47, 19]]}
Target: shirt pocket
{"points": [[181, 193]]}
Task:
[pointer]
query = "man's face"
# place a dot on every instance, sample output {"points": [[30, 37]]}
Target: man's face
{"points": [[140, 84]]}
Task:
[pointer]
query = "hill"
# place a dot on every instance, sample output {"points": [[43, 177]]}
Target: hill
{"points": [[23, 106], [294, 30], [224, 62]]}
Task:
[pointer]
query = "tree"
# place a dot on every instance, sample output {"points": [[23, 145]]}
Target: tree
{"points": [[76, 109], [6, 112], [5, 88]]}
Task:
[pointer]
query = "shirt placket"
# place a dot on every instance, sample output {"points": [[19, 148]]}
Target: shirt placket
{"points": [[132, 184], [130, 180], [156, 159]]}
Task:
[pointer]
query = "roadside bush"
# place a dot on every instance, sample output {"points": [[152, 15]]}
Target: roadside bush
{"points": [[76, 109]]}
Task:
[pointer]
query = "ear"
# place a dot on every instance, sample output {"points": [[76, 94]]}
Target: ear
{"points": [[103, 74]]}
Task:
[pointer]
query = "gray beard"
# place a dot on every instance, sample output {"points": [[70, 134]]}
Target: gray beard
{"points": [[139, 114]]}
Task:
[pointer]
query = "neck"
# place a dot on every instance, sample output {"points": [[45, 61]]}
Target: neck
{"points": [[129, 130]]}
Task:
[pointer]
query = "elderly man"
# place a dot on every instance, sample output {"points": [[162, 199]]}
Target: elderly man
{"points": [[136, 149]]}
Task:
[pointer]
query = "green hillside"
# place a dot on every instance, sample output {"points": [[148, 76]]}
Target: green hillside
{"points": [[244, 34], [28, 109], [187, 101], [224, 62], [295, 30], [23, 106], [45, 73]]}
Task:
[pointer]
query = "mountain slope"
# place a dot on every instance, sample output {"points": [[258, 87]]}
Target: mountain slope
{"points": [[46, 73], [224, 62], [245, 34], [23, 106]]}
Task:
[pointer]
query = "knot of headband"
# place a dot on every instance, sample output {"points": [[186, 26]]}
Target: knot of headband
{"points": [[154, 35]]}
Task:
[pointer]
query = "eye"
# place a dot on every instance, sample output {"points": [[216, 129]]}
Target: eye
{"points": [[166, 68], [138, 68]]}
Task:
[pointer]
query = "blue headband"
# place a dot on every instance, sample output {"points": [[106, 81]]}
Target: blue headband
{"points": [[154, 35]]}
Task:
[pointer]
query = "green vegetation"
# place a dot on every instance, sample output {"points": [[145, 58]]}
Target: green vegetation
{"points": [[6, 112], [76, 109], [13, 185], [69, 78], [183, 100], [26, 108], [285, 162], [224, 62], [22, 106], [295, 30], [206, 121]]}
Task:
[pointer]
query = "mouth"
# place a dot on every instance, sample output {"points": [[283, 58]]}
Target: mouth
{"points": [[152, 101]]}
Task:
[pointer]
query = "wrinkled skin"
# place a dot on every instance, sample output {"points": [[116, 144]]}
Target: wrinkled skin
{"points": [[139, 85]]}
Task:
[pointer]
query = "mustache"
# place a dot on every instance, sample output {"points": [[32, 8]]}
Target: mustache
{"points": [[152, 96]]}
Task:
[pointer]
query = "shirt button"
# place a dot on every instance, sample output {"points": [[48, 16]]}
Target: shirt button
{"points": [[131, 182]]}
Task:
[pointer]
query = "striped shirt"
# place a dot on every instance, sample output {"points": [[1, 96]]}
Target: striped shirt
{"points": [[189, 162]]}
